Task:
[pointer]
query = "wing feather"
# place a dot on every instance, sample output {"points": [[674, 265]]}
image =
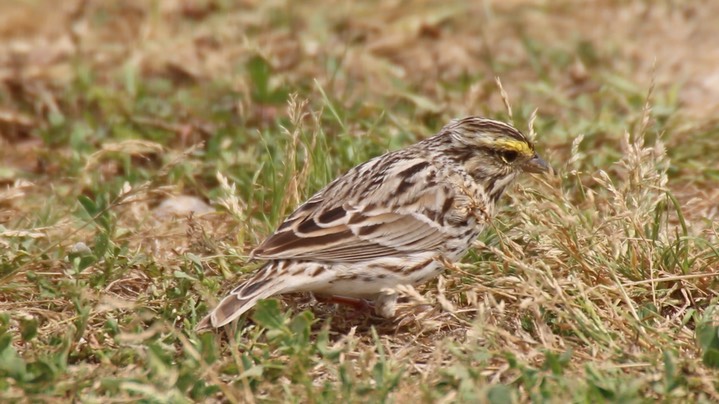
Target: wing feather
{"points": [[353, 220], [388, 234]]}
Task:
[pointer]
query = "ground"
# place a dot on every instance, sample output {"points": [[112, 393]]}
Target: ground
{"points": [[595, 283]]}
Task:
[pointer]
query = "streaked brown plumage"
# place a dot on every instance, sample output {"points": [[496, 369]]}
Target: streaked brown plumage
{"points": [[390, 220]]}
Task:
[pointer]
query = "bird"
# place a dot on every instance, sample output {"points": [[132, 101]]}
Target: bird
{"points": [[396, 219]]}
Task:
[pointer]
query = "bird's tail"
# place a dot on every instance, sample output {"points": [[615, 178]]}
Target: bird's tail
{"points": [[243, 298]]}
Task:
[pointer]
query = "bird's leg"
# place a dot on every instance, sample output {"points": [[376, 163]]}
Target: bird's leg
{"points": [[357, 304], [384, 305]]}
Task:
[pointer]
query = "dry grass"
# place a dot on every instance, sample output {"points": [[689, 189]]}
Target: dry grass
{"points": [[597, 283]]}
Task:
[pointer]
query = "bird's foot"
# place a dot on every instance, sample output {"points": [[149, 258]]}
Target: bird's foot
{"points": [[386, 304]]}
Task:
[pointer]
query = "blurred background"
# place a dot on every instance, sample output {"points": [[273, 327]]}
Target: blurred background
{"points": [[186, 62], [77, 74]]}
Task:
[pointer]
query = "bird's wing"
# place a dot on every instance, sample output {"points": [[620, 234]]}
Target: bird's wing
{"points": [[353, 221]]}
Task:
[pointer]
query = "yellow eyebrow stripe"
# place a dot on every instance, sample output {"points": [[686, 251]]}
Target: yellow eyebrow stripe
{"points": [[515, 145]]}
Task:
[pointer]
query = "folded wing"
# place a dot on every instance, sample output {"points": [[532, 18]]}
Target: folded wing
{"points": [[358, 232]]}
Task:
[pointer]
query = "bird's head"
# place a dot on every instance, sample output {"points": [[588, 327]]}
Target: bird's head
{"points": [[492, 152]]}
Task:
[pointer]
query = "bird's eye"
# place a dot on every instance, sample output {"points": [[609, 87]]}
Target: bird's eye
{"points": [[509, 155]]}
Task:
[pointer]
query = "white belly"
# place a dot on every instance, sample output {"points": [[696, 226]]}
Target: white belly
{"points": [[370, 278]]}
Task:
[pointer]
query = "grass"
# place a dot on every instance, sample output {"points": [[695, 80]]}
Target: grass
{"points": [[595, 284]]}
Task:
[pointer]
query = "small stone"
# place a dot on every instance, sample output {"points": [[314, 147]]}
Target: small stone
{"points": [[182, 205]]}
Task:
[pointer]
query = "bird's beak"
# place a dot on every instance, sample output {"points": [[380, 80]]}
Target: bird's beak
{"points": [[536, 165]]}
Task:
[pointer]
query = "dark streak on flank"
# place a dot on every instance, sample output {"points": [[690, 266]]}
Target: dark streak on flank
{"points": [[468, 232], [318, 271], [396, 269], [418, 267]]}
